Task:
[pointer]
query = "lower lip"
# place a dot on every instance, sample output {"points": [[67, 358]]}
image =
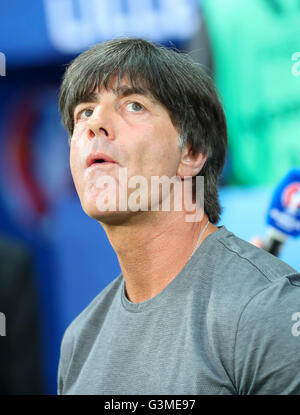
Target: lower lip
{"points": [[104, 164]]}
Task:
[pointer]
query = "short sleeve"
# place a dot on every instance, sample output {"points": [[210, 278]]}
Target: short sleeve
{"points": [[267, 344]]}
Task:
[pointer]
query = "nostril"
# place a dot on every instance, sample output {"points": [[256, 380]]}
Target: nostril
{"points": [[104, 130], [91, 133]]}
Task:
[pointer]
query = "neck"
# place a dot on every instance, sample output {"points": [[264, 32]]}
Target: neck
{"points": [[152, 252]]}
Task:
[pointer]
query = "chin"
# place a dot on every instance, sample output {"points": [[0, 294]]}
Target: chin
{"points": [[93, 206], [108, 217]]}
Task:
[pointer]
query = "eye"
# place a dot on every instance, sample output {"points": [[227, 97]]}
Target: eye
{"points": [[86, 113], [134, 107]]}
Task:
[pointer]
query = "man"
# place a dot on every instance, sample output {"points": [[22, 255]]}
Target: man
{"points": [[196, 310]]}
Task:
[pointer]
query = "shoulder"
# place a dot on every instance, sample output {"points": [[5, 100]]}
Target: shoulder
{"points": [[234, 271], [244, 274], [248, 258], [266, 349], [96, 310], [258, 296], [82, 331]]}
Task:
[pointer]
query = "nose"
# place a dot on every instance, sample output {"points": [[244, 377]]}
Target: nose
{"points": [[100, 123]]}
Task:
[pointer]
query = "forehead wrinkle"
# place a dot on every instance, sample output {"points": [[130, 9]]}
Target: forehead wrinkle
{"points": [[125, 91], [120, 92], [93, 94]]}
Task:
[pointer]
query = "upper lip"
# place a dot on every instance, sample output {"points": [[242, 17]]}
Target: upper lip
{"points": [[94, 157]]}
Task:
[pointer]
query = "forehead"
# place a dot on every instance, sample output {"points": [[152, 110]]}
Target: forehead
{"points": [[120, 88]]}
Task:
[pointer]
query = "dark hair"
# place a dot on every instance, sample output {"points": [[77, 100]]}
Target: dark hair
{"points": [[174, 80]]}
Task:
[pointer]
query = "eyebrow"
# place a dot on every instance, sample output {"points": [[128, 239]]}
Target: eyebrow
{"points": [[120, 92], [124, 91]]}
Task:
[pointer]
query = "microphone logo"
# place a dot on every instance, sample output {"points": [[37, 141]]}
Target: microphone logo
{"points": [[291, 198], [284, 210]]}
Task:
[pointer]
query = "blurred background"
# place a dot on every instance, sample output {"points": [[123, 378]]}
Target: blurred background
{"points": [[53, 258]]}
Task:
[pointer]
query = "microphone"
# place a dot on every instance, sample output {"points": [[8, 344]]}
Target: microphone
{"points": [[283, 216]]}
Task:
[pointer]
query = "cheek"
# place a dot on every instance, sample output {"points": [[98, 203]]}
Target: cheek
{"points": [[75, 164], [80, 146], [158, 152]]}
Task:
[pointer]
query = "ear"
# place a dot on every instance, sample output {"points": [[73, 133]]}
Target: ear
{"points": [[191, 163]]}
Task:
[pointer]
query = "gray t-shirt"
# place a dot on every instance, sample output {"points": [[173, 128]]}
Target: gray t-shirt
{"points": [[229, 323]]}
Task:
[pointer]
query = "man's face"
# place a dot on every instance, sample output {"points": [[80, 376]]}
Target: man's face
{"points": [[127, 129]]}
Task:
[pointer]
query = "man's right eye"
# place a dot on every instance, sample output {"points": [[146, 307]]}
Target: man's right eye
{"points": [[86, 113]]}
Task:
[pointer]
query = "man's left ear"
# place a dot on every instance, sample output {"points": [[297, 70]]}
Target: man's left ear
{"points": [[191, 163]]}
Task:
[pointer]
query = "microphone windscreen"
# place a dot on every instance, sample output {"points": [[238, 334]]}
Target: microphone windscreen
{"points": [[284, 210]]}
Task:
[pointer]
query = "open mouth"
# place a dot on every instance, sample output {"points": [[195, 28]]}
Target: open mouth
{"points": [[99, 159], [102, 161]]}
